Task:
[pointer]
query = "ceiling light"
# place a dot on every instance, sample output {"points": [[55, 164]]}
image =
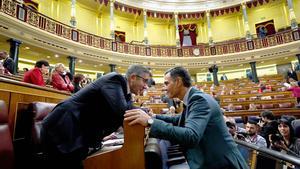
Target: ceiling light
{"points": [[100, 64], [123, 8], [286, 58], [80, 61], [27, 48], [56, 55], [155, 14], [48, 57]]}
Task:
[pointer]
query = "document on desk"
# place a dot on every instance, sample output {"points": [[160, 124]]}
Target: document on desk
{"points": [[113, 142]]}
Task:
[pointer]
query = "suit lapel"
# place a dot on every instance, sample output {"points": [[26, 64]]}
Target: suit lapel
{"points": [[182, 117]]}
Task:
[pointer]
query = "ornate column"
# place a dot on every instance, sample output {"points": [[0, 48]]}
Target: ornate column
{"points": [[145, 27], [73, 14], [14, 52], [112, 67], [246, 24], [177, 29], [294, 24], [210, 38], [112, 21], [253, 71], [72, 62]]}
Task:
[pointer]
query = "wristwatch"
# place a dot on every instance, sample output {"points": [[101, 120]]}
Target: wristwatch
{"points": [[150, 122]]}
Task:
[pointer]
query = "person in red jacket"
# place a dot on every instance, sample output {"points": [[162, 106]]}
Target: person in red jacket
{"points": [[60, 80], [35, 75]]}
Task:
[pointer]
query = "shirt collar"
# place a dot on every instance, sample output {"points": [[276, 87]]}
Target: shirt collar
{"points": [[185, 98], [128, 88]]}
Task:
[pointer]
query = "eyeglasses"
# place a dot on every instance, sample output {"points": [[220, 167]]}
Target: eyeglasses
{"points": [[144, 80]]}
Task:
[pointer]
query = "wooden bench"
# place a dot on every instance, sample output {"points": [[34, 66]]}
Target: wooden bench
{"points": [[129, 156], [12, 92], [277, 112]]}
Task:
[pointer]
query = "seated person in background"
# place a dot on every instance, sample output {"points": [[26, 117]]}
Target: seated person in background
{"points": [[268, 125], [172, 110], [4, 71], [231, 92], [25, 69], [8, 62], [295, 90], [60, 80], [77, 82], [252, 106], [252, 136], [230, 107], [262, 87], [232, 127], [35, 75], [292, 74], [285, 141]]}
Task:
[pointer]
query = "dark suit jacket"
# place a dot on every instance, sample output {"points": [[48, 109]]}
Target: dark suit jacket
{"points": [[292, 75], [204, 135], [85, 118], [9, 64]]}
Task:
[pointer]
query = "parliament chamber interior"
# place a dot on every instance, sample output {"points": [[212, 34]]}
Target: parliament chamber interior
{"points": [[244, 53]]}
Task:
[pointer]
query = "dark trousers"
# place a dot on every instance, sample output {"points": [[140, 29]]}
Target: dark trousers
{"points": [[55, 159]]}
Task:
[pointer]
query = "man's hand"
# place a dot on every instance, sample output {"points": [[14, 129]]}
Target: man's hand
{"points": [[136, 116]]}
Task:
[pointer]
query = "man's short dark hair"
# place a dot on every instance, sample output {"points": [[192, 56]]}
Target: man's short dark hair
{"points": [[137, 70], [267, 114], [180, 72], [252, 122], [40, 63]]}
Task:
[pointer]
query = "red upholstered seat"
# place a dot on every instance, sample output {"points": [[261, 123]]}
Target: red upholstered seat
{"points": [[253, 98], [27, 133], [278, 96], [253, 91], [6, 146], [267, 106], [238, 107], [40, 110], [285, 105], [241, 99], [243, 92], [227, 100]]}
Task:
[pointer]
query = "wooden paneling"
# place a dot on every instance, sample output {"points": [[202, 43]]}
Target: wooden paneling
{"points": [[13, 91], [129, 156]]}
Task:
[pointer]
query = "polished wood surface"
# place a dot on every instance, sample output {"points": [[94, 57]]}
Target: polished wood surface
{"points": [[129, 156], [12, 92], [276, 112]]}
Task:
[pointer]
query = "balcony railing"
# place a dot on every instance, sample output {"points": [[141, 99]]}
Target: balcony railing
{"points": [[44, 23]]}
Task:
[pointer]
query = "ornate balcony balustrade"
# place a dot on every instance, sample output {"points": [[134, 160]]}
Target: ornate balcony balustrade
{"points": [[44, 23]]}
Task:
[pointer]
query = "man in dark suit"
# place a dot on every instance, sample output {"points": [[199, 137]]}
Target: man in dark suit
{"points": [[8, 62], [200, 129], [81, 121], [224, 77], [292, 74]]}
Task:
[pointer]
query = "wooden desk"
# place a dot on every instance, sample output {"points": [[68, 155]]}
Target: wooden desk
{"points": [[12, 92], [277, 112], [130, 156]]}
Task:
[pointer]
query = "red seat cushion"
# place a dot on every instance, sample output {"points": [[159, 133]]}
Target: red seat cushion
{"points": [[6, 146]]}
